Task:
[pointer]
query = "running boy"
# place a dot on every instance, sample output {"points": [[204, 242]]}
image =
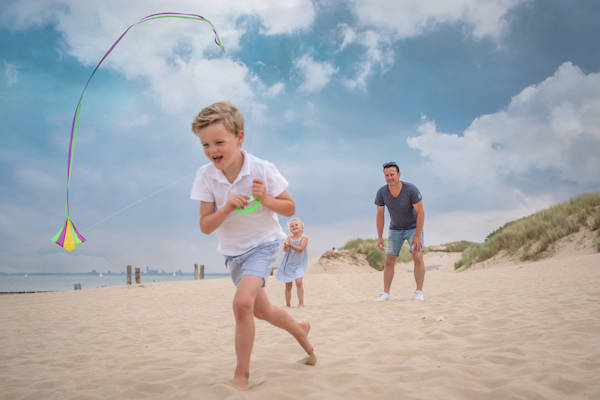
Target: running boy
{"points": [[249, 241]]}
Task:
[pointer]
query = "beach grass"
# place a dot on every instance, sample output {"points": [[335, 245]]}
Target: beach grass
{"points": [[531, 237], [375, 257]]}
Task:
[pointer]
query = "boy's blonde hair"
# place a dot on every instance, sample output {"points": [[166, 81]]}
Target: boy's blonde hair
{"points": [[223, 111], [295, 219]]}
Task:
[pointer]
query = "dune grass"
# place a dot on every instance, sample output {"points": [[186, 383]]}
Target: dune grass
{"points": [[375, 257], [531, 237]]}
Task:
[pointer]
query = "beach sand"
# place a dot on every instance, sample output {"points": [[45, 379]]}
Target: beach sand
{"points": [[513, 331]]}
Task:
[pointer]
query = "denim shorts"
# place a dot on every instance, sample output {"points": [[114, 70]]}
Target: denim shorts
{"points": [[396, 239], [257, 261]]}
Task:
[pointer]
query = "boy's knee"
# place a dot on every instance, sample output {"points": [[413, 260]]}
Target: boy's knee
{"points": [[299, 283], [242, 306], [260, 313]]}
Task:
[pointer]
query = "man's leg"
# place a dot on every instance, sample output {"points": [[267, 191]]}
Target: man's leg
{"points": [[388, 272], [419, 268], [243, 310]]}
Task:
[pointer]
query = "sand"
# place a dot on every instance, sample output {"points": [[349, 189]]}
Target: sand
{"points": [[518, 331]]}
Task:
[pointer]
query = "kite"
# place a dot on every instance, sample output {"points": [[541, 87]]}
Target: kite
{"points": [[68, 237]]}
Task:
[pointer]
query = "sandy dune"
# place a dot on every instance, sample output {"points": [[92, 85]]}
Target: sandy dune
{"points": [[522, 331]]}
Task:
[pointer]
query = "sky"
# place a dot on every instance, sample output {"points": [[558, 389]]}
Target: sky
{"points": [[491, 108]]}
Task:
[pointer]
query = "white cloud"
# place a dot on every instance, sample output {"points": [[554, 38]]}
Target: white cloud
{"points": [[276, 89], [552, 128], [378, 54], [315, 74], [414, 17], [166, 52], [12, 74]]}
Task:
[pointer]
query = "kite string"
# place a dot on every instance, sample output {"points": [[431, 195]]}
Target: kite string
{"points": [[75, 122], [161, 189]]}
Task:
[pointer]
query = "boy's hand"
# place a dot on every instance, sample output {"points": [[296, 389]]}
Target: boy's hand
{"points": [[237, 201], [259, 189]]}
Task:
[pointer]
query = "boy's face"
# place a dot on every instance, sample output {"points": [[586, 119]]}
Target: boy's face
{"points": [[221, 147]]}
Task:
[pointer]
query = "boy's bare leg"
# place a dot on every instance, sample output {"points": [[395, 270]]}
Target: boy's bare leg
{"points": [[243, 310], [300, 289], [288, 293], [277, 316]]}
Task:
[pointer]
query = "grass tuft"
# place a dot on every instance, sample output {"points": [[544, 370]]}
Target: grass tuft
{"points": [[531, 237]]}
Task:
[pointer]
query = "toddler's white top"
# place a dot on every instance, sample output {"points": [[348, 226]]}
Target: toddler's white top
{"points": [[241, 232]]}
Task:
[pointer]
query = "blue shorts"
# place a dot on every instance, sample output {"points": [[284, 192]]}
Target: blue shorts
{"points": [[257, 261], [396, 239]]}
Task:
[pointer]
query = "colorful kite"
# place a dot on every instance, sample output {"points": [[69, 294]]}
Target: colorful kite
{"points": [[68, 237]]}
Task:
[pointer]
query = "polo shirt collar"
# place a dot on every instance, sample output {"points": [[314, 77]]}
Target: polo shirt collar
{"points": [[218, 175]]}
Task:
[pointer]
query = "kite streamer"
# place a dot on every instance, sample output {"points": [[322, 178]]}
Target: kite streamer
{"points": [[68, 237]]}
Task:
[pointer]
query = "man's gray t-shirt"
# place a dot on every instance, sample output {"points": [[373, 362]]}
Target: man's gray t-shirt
{"points": [[402, 212]]}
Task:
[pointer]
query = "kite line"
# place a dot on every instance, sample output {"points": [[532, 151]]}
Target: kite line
{"points": [[68, 237]]}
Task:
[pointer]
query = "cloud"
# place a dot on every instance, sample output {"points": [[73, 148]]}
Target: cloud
{"points": [[11, 72], [315, 74], [379, 54], [166, 52], [549, 133], [410, 18]]}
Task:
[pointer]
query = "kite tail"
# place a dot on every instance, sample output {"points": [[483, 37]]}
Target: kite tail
{"points": [[68, 237]]}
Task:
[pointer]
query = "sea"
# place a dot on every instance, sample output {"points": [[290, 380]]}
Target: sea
{"points": [[31, 283]]}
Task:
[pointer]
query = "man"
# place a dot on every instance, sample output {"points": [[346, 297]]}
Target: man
{"points": [[405, 206]]}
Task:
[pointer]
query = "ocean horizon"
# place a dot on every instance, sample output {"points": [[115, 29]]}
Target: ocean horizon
{"points": [[53, 282]]}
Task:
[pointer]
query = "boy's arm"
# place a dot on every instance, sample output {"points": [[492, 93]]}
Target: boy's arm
{"points": [[282, 204], [211, 219]]}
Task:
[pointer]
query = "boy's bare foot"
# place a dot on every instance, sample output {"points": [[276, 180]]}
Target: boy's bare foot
{"points": [[249, 385], [303, 338], [310, 360], [240, 382]]}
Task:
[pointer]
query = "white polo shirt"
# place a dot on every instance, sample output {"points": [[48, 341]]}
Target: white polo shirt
{"points": [[241, 232]]}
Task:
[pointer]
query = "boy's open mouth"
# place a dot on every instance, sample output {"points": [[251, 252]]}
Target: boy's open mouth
{"points": [[217, 158]]}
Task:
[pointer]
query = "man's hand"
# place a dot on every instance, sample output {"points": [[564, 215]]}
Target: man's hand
{"points": [[380, 244], [237, 201], [416, 242], [259, 189]]}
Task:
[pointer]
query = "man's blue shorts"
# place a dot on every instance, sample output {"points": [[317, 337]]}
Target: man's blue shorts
{"points": [[396, 239]]}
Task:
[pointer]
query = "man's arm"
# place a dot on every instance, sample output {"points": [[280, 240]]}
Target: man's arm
{"points": [[420, 222], [380, 219]]}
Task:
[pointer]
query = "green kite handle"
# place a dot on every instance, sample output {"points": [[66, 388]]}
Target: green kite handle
{"points": [[255, 203]]}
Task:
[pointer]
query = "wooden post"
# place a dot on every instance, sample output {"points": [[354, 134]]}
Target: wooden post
{"points": [[202, 271], [129, 274], [137, 275], [195, 272]]}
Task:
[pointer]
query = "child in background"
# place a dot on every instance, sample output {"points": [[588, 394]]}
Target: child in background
{"points": [[249, 241], [294, 262]]}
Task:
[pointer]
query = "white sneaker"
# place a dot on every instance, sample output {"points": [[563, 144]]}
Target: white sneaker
{"points": [[383, 296], [418, 295]]}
